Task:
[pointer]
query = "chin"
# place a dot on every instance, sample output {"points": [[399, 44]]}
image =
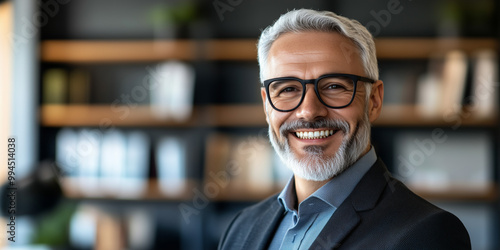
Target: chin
{"points": [[315, 165]]}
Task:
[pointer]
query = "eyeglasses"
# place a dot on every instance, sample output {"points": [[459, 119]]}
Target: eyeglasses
{"points": [[333, 90]]}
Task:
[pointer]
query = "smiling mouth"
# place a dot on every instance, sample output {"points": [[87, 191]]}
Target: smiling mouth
{"points": [[311, 135]]}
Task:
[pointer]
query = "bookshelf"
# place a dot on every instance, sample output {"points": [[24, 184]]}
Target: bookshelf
{"points": [[224, 44], [213, 116]]}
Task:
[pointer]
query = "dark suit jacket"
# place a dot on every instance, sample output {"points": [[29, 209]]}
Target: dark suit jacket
{"points": [[380, 213]]}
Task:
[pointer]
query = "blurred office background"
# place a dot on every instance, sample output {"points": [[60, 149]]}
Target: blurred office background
{"points": [[139, 124]]}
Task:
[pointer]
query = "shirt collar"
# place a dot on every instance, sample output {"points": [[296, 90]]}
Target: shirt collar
{"points": [[337, 189]]}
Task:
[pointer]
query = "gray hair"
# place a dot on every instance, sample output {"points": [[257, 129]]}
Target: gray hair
{"points": [[324, 21]]}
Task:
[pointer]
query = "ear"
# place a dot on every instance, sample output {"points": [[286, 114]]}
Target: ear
{"points": [[264, 102], [376, 100]]}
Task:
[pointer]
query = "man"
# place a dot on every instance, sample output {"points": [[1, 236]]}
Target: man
{"points": [[321, 92]]}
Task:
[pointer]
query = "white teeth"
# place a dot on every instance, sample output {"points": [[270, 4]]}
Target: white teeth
{"points": [[314, 135]]}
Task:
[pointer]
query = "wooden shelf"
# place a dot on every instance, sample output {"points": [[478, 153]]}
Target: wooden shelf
{"points": [[91, 51], [105, 115], [410, 115], [224, 115], [458, 192], [80, 51], [424, 48], [116, 51], [71, 187]]}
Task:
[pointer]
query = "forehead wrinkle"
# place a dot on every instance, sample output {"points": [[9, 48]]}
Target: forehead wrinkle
{"points": [[301, 69], [306, 57]]}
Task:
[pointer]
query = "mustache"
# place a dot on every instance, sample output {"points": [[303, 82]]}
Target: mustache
{"points": [[338, 124]]}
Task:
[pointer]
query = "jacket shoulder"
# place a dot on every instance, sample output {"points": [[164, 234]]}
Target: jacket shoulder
{"points": [[412, 222], [251, 224], [394, 217]]}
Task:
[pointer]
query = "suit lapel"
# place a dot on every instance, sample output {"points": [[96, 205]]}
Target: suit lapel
{"points": [[346, 218], [264, 227], [343, 221]]}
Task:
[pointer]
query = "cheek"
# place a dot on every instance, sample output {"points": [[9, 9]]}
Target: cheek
{"points": [[276, 119], [353, 115]]}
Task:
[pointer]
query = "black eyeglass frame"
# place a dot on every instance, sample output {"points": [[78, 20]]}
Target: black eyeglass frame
{"points": [[354, 78]]}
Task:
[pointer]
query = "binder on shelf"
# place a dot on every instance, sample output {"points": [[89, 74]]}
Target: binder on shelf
{"points": [[484, 95], [79, 87], [454, 163], [112, 161], [97, 164], [255, 156], [90, 153], [67, 157], [245, 161], [429, 94], [217, 161], [440, 90], [173, 90], [134, 181], [55, 83], [171, 164], [66, 141], [454, 80]]}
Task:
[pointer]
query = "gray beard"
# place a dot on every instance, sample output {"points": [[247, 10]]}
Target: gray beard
{"points": [[316, 166]]}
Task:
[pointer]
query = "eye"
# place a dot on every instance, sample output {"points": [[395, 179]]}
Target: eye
{"points": [[289, 89], [285, 89], [336, 86]]}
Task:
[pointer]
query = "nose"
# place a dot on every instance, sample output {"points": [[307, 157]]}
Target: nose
{"points": [[311, 107]]}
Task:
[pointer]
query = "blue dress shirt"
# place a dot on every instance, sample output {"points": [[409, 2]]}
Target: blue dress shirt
{"points": [[299, 229]]}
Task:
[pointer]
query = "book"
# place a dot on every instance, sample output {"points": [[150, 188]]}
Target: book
{"points": [[171, 165], [453, 80], [451, 162], [484, 94], [429, 89], [172, 93], [90, 153], [66, 156], [55, 83], [113, 157], [79, 87], [135, 174], [242, 165], [255, 156]]}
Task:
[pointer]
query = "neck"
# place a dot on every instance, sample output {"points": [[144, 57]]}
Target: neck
{"points": [[304, 188]]}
